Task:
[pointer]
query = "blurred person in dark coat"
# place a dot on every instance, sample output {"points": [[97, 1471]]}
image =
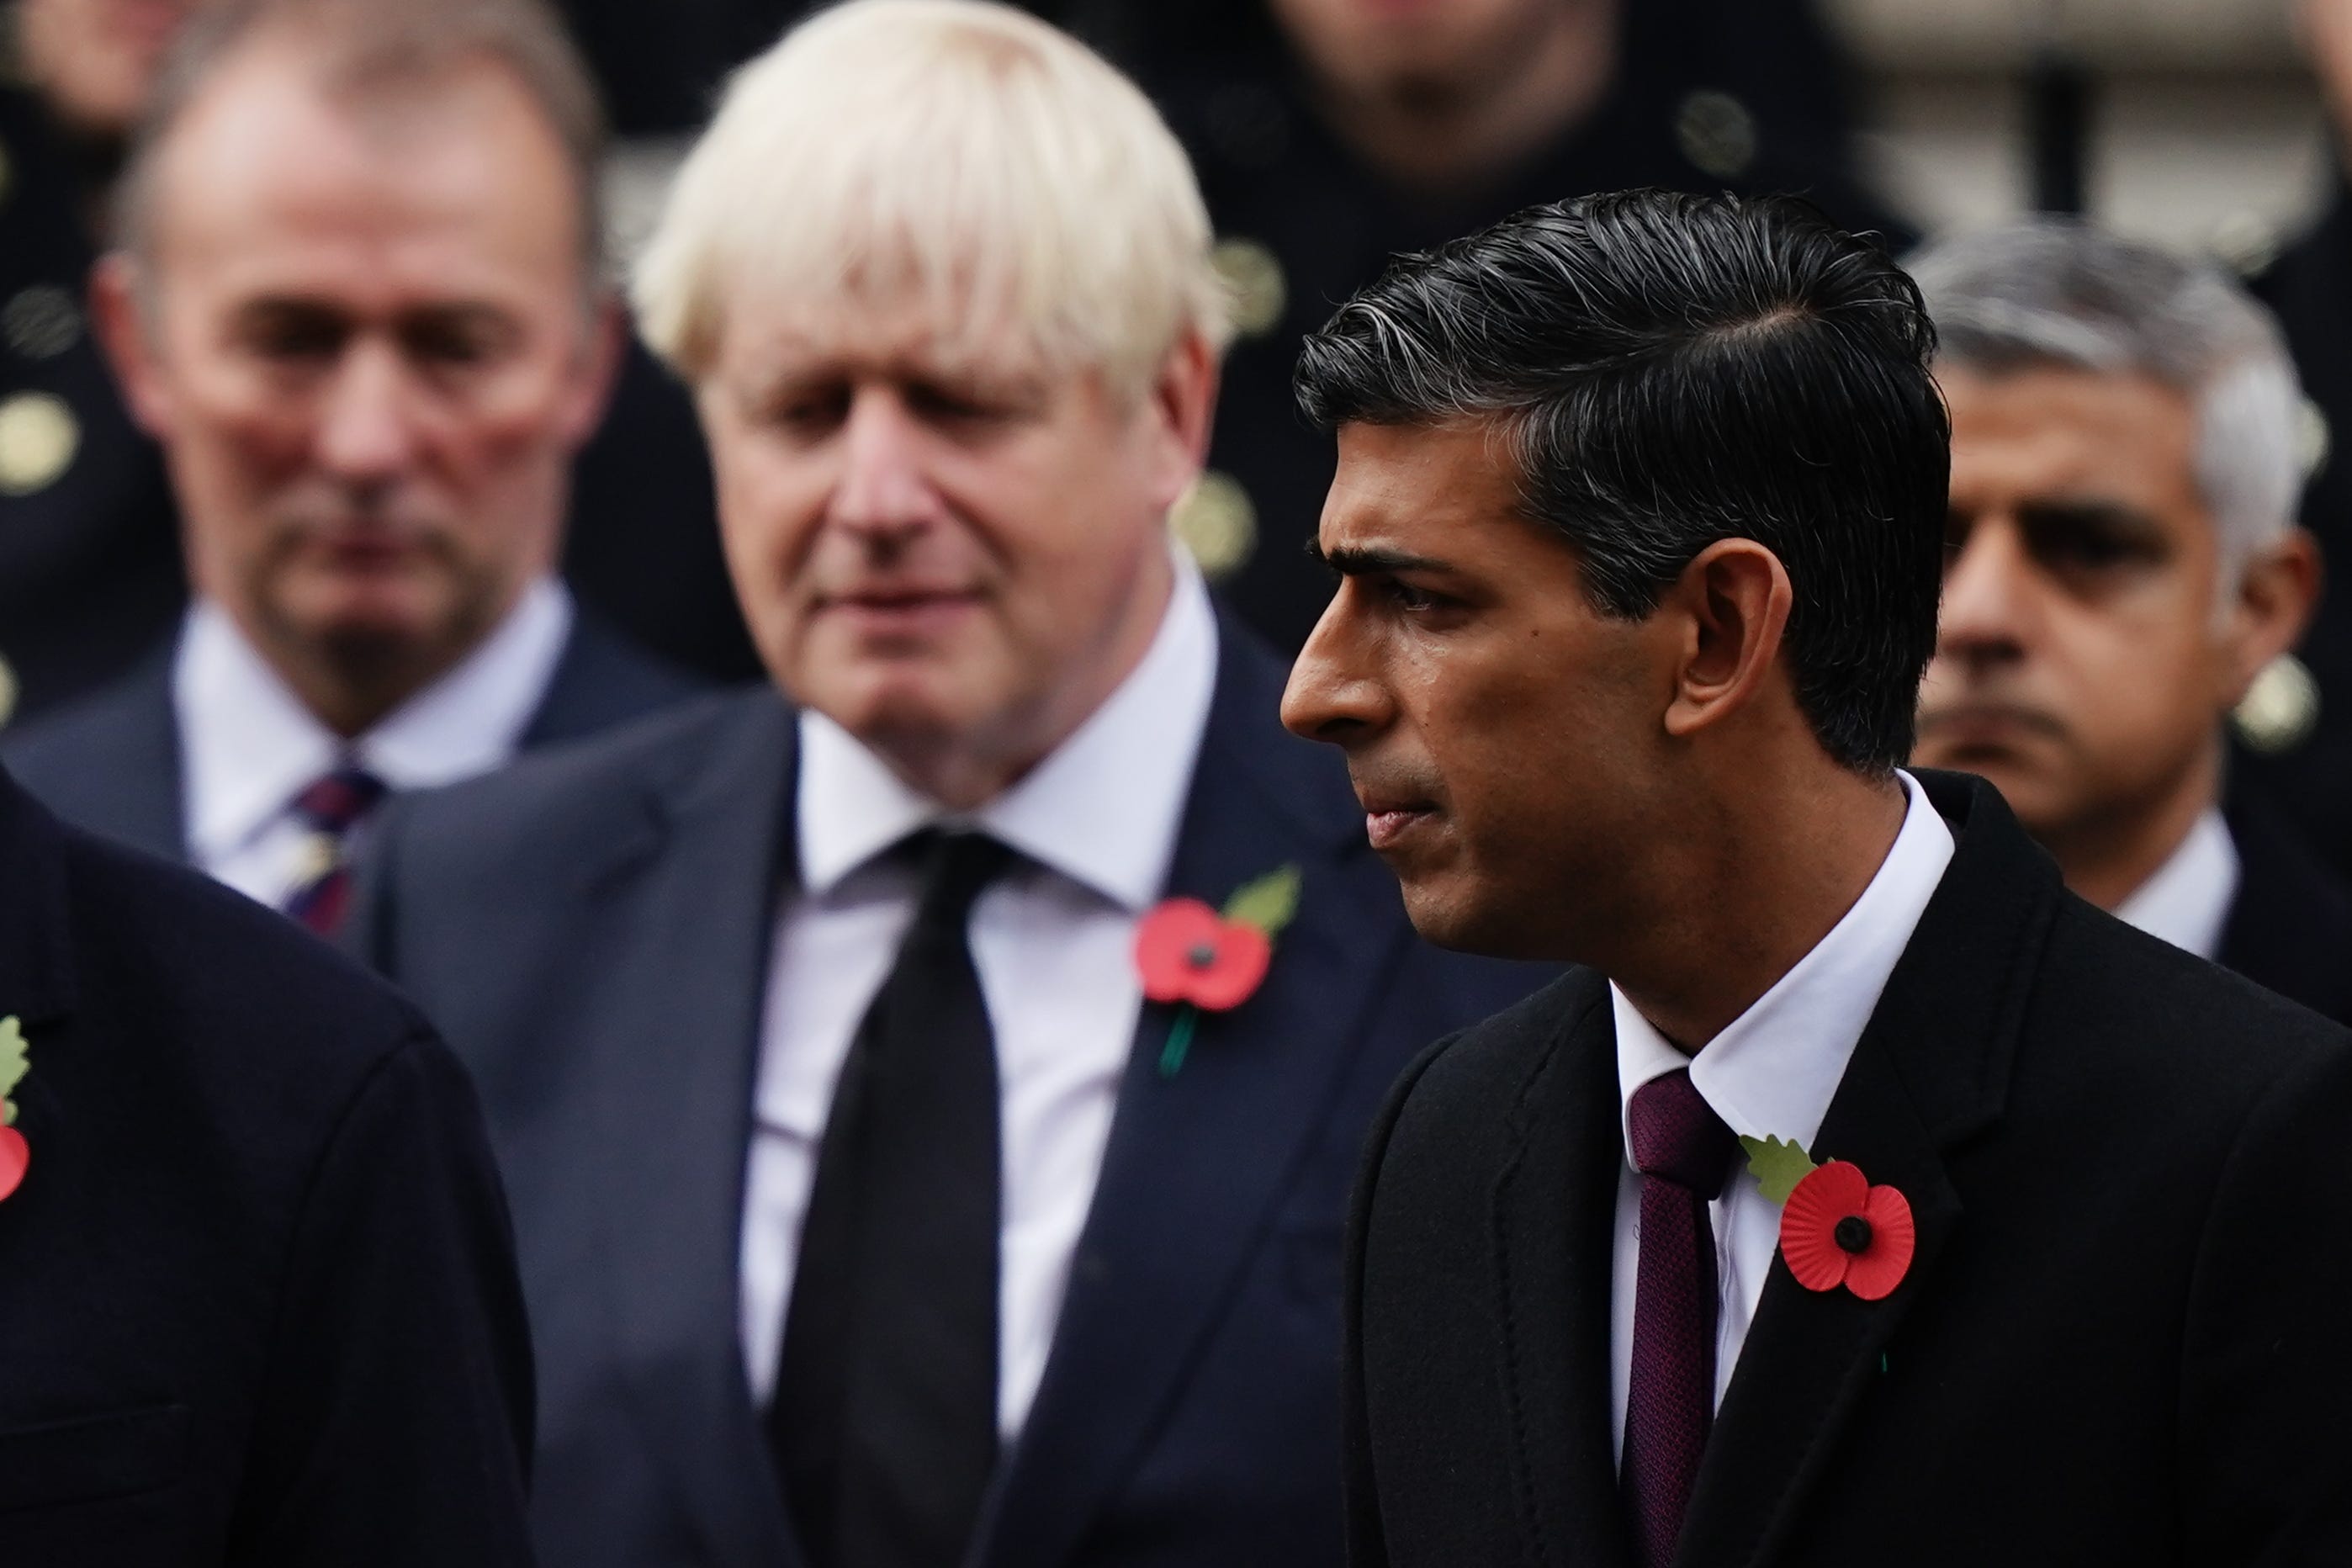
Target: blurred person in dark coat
{"points": [[2299, 730], [2124, 563], [260, 1304], [358, 305], [1332, 134], [90, 567], [886, 1197]]}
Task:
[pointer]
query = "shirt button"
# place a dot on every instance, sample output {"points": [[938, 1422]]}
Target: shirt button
{"points": [[1254, 285], [38, 438], [1217, 523], [1717, 133], [41, 322]]}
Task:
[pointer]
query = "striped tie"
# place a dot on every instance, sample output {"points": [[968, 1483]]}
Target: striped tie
{"points": [[329, 808]]}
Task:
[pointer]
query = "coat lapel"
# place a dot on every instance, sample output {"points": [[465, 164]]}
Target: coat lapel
{"points": [[600, 681], [1196, 1163], [691, 898], [1555, 1219], [1930, 1072], [112, 764]]}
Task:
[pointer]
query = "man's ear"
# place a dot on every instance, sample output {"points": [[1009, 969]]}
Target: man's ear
{"points": [[1181, 407], [1732, 605], [120, 312], [2277, 593], [603, 344]]}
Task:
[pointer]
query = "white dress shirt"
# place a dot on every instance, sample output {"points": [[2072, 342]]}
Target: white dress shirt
{"points": [[2187, 901], [1771, 1073], [1053, 941], [248, 746]]}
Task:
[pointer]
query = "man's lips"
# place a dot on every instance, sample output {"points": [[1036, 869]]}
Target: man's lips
{"points": [[900, 609], [1986, 724], [1388, 821]]}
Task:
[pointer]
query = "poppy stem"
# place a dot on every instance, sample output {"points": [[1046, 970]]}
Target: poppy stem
{"points": [[1180, 1039]]}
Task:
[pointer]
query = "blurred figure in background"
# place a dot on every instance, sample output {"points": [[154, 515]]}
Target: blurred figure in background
{"points": [[89, 561], [2124, 561], [90, 568], [857, 1182], [359, 305], [1332, 134], [2301, 734]]}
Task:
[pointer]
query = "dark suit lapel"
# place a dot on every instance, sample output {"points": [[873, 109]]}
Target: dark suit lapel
{"points": [[36, 971], [600, 681], [1555, 1219], [690, 895], [123, 778], [1197, 1162], [1931, 1070]]}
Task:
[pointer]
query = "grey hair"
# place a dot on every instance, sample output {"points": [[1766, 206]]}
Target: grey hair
{"points": [[2059, 292], [368, 46]]}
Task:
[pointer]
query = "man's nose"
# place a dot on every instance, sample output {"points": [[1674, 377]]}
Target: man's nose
{"points": [[367, 429], [1987, 597], [884, 489], [1335, 692]]}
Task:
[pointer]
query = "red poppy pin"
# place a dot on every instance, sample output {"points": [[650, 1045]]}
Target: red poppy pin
{"points": [[14, 1152], [1204, 961], [1835, 1228]]}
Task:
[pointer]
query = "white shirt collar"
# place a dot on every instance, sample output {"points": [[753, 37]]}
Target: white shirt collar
{"points": [[2187, 901], [1103, 809], [250, 745], [1772, 1072]]}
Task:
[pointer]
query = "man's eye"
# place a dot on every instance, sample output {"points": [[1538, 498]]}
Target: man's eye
{"points": [[296, 339], [948, 405], [808, 414], [1406, 596], [2087, 549], [449, 345]]}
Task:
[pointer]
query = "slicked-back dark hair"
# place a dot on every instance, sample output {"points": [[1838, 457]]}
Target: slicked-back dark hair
{"points": [[1668, 371]]}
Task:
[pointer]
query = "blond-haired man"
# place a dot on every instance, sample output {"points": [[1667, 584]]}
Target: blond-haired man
{"points": [[898, 1181]]}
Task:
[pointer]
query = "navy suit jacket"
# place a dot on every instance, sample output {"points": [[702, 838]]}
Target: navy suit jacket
{"points": [[259, 1306], [593, 932], [110, 761], [2290, 926]]}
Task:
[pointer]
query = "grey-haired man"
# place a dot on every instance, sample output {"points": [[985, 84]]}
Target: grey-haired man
{"points": [[2125, 564]]}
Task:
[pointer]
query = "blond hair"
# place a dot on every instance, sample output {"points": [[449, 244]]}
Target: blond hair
{"points": [[961, 151]]}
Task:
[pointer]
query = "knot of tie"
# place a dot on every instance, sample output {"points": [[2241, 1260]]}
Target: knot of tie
{"points": [[958, 866], [334, 803], [1677, 1136]]}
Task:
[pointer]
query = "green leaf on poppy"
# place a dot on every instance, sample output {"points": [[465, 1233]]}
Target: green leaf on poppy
{"points": [[1777, 1167], [1268, 903], [14, 1066]]}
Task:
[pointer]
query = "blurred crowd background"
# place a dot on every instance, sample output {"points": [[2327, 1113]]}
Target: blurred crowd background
{"points": [[1323, 145]]}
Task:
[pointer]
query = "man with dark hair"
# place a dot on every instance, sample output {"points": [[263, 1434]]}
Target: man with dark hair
{"points": [[2031, 1256]]}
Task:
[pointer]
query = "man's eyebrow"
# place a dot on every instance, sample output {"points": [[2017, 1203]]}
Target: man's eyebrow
{"points": [[2119, 516], [1353, 561]]}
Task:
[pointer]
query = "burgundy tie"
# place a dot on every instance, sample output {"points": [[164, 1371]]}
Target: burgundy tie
{"points": [[1684, 1152], [331, 807]]}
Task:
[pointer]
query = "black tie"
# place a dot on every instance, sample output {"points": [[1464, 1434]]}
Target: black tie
{"points": [[884, 1425]]}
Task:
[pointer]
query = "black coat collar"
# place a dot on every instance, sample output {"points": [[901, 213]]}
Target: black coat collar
{"points": [[1931, 1072]]}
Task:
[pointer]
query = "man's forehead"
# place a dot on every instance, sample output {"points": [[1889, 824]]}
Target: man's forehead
{"points": [[771, 332], [271, 138], [2064, 430], [1412, 477]]}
